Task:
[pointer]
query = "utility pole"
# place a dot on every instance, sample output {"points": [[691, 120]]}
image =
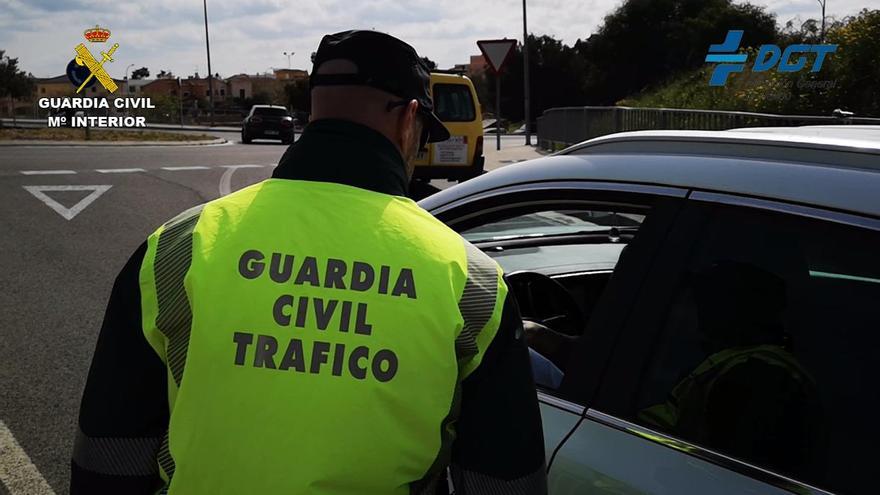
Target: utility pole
{"points": [[822, 32], [526, 77], [210, 74], [498, 111], [180, 101]]}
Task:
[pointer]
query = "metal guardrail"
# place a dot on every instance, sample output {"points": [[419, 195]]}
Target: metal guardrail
{"points": [[562, 127]]}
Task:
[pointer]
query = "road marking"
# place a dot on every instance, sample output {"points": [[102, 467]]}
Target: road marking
{"points": [[47, 172], [118, 170], [197, 167], [68, 213], [17, 473], [226, 178]]}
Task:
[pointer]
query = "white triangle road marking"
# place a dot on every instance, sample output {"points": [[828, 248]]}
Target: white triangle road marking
{"points": [[39, 192]]}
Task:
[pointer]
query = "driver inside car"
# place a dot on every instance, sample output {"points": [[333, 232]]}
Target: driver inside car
{"points": [[549, 351]]}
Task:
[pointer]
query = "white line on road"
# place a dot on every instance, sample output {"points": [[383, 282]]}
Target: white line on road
{"points": [[68, 213], [118, 170], [17, 473], [47, 172], [197, 167], [226, 178]]}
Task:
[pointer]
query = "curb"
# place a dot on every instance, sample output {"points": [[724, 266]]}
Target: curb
{"points": [[212, 142], [41, 123]]}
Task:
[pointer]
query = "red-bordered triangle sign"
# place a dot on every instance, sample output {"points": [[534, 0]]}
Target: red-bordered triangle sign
{"points": [[496, 52]]}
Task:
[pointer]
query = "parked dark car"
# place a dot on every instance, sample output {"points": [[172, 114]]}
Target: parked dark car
{"points": [[267, 122]]}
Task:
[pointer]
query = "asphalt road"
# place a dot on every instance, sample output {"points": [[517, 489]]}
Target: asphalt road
{"points": [[69, 219]]}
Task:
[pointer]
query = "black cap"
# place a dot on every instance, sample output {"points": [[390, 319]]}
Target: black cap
{"points": [[383, 62]]}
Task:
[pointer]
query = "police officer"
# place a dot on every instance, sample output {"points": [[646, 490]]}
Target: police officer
{"points": [[317, 332]]}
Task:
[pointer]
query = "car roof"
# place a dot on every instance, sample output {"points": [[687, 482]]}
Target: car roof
{"points": [[848, 132], [446, 78], [830, 172]]}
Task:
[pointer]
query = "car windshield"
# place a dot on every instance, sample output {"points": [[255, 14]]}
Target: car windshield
{"points": [[453, 103], [274, 112], [550, 223]]}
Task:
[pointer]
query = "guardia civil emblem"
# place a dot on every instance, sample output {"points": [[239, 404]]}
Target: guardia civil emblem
{"points": [[85, 69]]}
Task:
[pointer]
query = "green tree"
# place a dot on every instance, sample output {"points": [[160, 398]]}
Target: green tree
{"points": [[261, 98], [431, 64], [556, 76], [848, 78], [645, 42], [855, 68], [298, 96], [14, 82]]}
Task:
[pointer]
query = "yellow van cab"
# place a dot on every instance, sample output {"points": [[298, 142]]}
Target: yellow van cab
{"points": [[461, 156]]}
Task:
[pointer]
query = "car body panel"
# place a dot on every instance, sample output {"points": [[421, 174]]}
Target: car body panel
{"points": [[849, 132], [602, 459], [559, 419]]}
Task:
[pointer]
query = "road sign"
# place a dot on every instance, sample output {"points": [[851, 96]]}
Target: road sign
{"points": [[68, 213], [496, 52]]}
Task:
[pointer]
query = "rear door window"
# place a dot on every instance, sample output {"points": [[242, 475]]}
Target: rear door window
{"points": [[454, 103], [273, 112], [765, 348]]}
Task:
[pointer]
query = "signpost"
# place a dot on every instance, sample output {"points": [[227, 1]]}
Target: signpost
{"points": [[496, 53]]}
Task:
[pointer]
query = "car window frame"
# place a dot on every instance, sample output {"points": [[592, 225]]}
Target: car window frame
{"points": [[633, 354], [586, 367]]}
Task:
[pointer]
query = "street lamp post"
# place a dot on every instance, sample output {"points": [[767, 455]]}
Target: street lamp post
{"points": [[127, 85], [526, 77], [288, 54], [822, 32], [210, 74]]}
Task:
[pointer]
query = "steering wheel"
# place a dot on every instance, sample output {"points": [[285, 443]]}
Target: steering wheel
{"points": [[545, 301]]}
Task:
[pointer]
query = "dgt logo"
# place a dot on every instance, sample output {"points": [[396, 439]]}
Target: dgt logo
{"points": [[769, 56]]}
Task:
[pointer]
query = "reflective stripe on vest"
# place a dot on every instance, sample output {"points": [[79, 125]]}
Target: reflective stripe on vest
{"points": [[313, 350]]}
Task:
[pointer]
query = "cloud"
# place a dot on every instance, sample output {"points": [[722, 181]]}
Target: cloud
{"points": [[250, 36]]}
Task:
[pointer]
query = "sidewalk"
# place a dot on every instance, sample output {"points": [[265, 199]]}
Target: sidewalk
{"points": [[506, 156]]}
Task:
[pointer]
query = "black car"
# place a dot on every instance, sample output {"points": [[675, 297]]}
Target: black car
{"points": [[267, 122]]}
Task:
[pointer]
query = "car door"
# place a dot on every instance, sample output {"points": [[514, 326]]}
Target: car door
{"points": [[747, 364], [516, 207]]}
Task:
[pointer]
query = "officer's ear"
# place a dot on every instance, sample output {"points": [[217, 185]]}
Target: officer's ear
{"points": [[407, 122]]}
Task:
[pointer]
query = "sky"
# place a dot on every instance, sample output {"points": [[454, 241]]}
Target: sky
{"points": [[250, 36]]}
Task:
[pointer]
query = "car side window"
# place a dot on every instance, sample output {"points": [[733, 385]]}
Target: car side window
{"points": [[557, 262], [768, 350]]}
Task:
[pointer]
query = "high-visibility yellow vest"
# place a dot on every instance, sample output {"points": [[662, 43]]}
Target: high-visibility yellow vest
{"points": [[315, 336]]}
